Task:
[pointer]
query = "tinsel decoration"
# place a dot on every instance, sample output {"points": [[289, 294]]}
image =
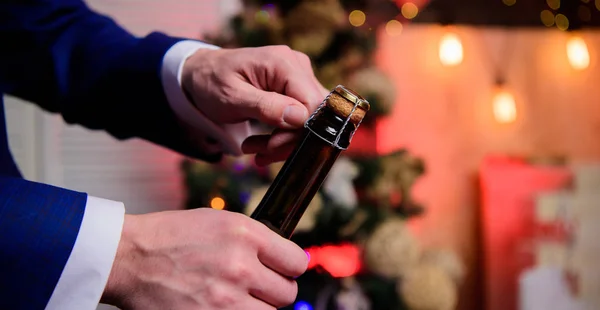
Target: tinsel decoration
{"points": [[366, 202]]}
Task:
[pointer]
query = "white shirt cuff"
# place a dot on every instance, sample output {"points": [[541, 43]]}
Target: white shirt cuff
{"points": [[84, 277], [230, 136]]}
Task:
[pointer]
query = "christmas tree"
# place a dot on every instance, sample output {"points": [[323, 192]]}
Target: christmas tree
{"points": [[363, 255]]}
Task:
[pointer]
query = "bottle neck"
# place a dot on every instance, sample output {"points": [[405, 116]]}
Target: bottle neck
{"points": [[331, 127]]}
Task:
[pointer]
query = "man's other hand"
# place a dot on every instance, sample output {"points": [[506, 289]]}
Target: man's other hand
{"points": [[202, 259]]}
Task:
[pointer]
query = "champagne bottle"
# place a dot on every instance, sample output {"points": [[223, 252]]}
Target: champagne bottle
{"points": [[326, 133]]}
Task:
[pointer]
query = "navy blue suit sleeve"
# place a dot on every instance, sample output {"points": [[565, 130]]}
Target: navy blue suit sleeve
{"points": [[70, 60], [36, 240]]}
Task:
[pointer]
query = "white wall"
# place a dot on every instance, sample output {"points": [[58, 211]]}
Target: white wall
{"points": [[144, 177]]}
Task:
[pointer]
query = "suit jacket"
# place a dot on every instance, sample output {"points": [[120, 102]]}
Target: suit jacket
{"points": [[69, 60]]}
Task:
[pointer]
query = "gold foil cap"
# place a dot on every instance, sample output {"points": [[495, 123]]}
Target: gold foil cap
{"points": [[353, 97]]}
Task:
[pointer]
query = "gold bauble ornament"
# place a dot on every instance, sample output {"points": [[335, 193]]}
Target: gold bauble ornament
{"points": [[312, 43], [447, 260], [308, 220], [392, 249], [428, 287], [398, 174]]}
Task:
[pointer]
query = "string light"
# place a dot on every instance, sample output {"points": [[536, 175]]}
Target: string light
{"points": [[504, 107], [409, 10], [554, 4], [547, 18], [357, 18], [562, 22], [451, 50], [217, 203], [577, 53]]}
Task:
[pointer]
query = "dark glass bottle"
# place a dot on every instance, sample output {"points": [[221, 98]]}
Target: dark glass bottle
{"points": [[326, 134]]}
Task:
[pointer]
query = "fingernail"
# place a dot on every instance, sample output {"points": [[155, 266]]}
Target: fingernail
{"points": [[294, 115]]}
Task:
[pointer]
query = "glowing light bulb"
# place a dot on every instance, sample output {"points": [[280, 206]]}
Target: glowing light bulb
{"points": [[578, 54], [451, 50], [504, 107], [217, 203]]}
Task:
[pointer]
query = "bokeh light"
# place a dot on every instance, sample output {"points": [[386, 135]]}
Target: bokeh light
{"points": [[302, 305], [547, 18], [562, 22], [451, 50], [554, 4], [409, 10], [357, 18], [504, 107], [217, 203], [577, 53], [393, 27], [509, 2]]}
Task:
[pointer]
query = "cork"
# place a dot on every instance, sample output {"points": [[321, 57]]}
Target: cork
{"points": [[343, 107]]}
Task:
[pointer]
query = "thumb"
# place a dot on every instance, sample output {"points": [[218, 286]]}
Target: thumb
{"points": [[272, 108]]}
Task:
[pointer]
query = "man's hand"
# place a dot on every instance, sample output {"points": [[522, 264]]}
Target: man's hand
{"points": [[202, 259], [272, 84]]}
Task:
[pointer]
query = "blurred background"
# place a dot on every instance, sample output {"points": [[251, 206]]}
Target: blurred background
{"points": [[473, 184]]}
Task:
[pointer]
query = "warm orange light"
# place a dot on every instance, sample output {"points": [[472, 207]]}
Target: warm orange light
{"points": [[577, 53], [504, 107], [451, 50], [409, 10], [357, 18], [393, 28], [217, 203]]}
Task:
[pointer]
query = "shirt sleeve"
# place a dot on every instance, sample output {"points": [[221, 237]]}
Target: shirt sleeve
{"points": [[229, 137], [86, 272]]}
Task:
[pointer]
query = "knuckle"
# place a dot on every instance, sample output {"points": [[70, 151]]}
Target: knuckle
{"points": [[303, 58], [282, 48], [220, 297], [289, 296], [238, 271]]}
